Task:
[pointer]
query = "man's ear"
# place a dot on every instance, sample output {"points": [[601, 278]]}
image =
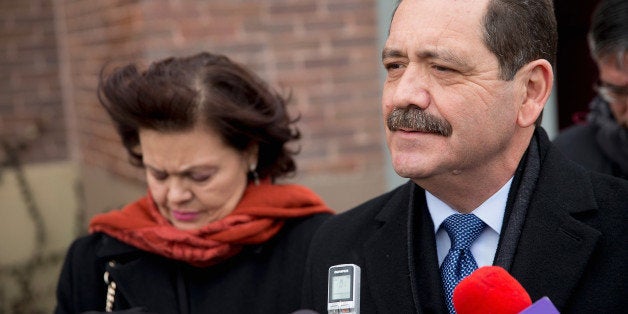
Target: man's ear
{"points": [[538, 79]]}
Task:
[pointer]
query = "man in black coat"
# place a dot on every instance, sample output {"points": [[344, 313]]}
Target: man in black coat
{"points": [[601, 144], [466, 84]]}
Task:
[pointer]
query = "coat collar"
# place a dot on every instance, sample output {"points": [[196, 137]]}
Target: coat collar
{"points": [[407, 279], [557, 239], [139, 276], [386, 255], [147, 280]]}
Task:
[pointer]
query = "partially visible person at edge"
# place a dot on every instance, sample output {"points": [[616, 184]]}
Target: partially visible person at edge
{"points": [[214, 233], [462, 100], [601, 143]]}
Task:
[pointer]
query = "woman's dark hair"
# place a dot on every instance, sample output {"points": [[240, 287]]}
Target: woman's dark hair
{"points": [[176, 94]]}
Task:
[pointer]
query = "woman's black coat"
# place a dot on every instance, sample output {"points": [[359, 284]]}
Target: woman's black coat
{"points": [[263, 278]]}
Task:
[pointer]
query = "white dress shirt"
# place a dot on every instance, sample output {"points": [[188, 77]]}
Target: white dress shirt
{"points": [[491, 212]]}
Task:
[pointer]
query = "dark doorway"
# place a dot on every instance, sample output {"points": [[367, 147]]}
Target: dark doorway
{"points": [[575, 70]]}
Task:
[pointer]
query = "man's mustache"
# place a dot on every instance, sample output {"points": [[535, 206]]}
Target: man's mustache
{"points": [[415, 119]]}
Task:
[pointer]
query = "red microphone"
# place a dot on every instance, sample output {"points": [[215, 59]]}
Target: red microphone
{"points": [[490, 289]]}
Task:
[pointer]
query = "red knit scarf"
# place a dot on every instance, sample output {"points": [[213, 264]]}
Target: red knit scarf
{"points": [[260, 214]]}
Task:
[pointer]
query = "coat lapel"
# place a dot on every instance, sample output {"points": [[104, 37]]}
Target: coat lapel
{"points": [[428, 285], [556, 243], [402, 252], [140, 278], [386, 257]]}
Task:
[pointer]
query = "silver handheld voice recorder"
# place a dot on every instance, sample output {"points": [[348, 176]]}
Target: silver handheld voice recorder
{"points": [[343, 289]]}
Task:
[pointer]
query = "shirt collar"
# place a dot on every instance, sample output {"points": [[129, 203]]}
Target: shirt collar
{"points": [[491, 211]]}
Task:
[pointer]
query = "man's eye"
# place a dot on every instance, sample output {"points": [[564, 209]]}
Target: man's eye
{"points": [[392, 66], [441, 68]]}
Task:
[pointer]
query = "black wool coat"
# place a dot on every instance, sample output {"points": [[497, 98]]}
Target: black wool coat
{"points": [[579, 144], [572, 246], [264, 278]]}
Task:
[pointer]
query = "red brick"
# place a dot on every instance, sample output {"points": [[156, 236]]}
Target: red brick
{"points": [[325, 53]]}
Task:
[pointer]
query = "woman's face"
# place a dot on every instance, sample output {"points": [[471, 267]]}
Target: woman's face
{"points": [[193, 176]]}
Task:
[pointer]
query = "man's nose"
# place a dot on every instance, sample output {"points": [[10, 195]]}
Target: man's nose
{"points": [[412, 88]]}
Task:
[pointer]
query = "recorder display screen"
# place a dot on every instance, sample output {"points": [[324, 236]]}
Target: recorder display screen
{"points": [[341, 287]]}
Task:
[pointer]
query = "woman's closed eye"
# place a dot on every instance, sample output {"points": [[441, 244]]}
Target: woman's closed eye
{"points": [[158, 175], [199, 176]]}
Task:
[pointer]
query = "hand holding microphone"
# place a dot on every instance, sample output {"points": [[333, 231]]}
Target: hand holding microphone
{"points": [[491, 289]]}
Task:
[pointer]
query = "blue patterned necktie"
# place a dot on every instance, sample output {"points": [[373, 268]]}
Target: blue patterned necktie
{"points": [[459, 262]]}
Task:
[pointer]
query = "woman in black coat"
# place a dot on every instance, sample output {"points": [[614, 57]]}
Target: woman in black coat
{"points": [[214, 234]]}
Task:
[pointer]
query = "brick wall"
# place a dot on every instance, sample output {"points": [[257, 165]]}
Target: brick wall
{"points": [[31, 110], [323, 51]]}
